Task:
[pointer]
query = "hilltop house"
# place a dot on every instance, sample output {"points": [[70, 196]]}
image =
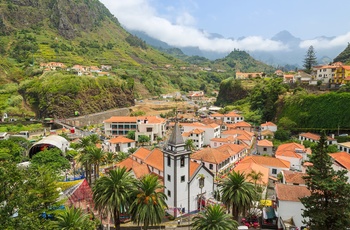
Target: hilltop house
{"points": [[294, 153], [268, 126], [264, 147], [228, 118], [315, 138]]}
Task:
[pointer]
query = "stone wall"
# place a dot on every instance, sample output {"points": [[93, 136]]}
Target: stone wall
{"points": [[96, 118]]}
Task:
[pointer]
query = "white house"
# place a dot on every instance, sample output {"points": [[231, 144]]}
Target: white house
{"points": [[275, 165], [341, 161], [240, 136], [344, 147], [211, 130], [294, 153], [197, 136], [119, 144], [268, 126], [293, 178], [312, 137], [325, 73], [265, 147], [229, 118], [216, 142], [151, 126], [288, 205], [213, 159]]}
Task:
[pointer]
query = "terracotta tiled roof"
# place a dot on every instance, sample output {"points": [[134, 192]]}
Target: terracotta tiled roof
{"points": [[266, 143], [239, 124], [155, 159], [198, 131], [292, 177], [186, 134], [229, 139], [269, 123], [342, 158], [141, 153], [291, 192], [210, 155], [231, 149], [196, 124], [211, 121], [267, 133], [251, 166], [267, 161], [193, 167], [150, 119], [291, 150], [314, 136], [120, 139], [121, 119], [238, 132], [139, 169]]}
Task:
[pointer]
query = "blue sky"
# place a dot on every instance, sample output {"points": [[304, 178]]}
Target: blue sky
{"points": [[189, 22]]}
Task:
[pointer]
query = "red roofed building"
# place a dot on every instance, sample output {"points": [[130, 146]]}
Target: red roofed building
{"points": [[268, 126], [288, 202], [195, 95], [315, 138], [294, 153], [265, 147], [341, 161], [242, 125], [229, 118], [197, 136], [275, 165], [211, 130], [151, 126], [119, 144]]}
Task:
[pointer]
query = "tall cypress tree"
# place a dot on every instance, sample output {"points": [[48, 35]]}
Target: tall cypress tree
{"points": [[310, 59], [328, 206]]}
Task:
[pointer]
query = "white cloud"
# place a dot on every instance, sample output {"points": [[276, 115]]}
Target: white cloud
{"points": [[323, 43], [140, 15]]}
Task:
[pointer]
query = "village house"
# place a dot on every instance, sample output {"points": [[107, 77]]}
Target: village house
{"points": [[240, 136], [293, 178], [215, 160], [312, 137], [264, 147], [216, 142], [326, 73], [294, 153], [268, 126], [196, 135], [195, 95], [288, 78], [151, 126], [266, 134], [210, 130], [118, 144], [275, 165], [229, 118], [344, 147], [236, 152], [242, 125], [52, 65], [279, 73], [288, 205], [341, 161]]}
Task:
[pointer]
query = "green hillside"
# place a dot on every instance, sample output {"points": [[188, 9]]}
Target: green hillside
{"points": [[84, 32], [344, 56]]}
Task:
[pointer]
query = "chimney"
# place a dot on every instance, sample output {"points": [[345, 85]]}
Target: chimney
{"points": [[332, 135]]}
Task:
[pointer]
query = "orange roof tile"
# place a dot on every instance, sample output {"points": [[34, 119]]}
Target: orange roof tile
{"points": [[231, 149], [121, 119], [198, 131], [314, 136], [139, 169], [228, 139], [269, 123], [291, 192], [342, 158], [120, 139], [186, 134], [266, 143], [230, 114], [267, 161], [290, 150], [238, 132], [251, 166], [141, 153], [293, 177], [210, 155], [193, 167], [155, 159]]}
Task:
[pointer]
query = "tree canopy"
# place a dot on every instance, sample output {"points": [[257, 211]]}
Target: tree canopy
{"points": [[310, 60]]}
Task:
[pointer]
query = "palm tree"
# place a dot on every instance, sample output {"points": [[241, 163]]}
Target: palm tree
{"points": [[83, 158], [237, 193], [214, 218], [149, 206], [255, 176], [189, 144], [112, 192], [73, 219], [96, 156]]}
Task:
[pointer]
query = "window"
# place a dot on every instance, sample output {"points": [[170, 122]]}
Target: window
{"points": [[169, 162], [129, 144], [182, 161], [149, 130], [169, 193], [265, 149], [274, 171], [169, 177], [211, 166], [182, 178]]}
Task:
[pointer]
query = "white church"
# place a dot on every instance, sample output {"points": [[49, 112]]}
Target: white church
{"points": [[188, 184]]}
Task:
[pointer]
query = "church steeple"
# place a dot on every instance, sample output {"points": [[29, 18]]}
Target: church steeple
{"points": [[176, 137]]}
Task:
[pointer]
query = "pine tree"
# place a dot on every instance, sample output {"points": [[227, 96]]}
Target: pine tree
{"points": [[328, 206], [310, 59]]}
